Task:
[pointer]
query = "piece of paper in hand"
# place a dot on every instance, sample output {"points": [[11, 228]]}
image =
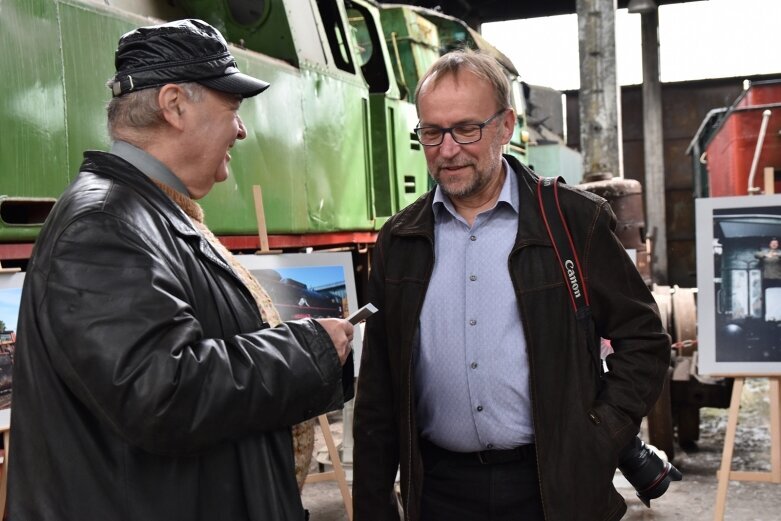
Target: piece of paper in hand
{"points": [[362, 314]]}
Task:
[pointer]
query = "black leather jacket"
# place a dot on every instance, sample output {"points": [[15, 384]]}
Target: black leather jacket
{"points": [[579, 425], [145, 385]]}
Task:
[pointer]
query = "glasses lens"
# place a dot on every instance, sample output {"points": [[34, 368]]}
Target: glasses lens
{"points": [[467, 133], [429, 135]]}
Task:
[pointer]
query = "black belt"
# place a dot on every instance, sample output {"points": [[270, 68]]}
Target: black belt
{"points": [[483, 457]]}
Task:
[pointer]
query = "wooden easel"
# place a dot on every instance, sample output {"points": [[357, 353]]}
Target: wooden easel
{"points": [[337, 474], [5, 431], [725, 473], [9, 270], [260, 215]]}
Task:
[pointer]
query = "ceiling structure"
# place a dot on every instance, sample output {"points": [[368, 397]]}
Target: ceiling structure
{"points": [[476, 12]]}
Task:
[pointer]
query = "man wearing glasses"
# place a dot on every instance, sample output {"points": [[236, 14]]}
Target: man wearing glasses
{"points": [[475, 377]]}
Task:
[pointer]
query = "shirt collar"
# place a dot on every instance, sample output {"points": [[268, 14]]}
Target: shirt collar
{"points": [[508, 194], [148, 165]]}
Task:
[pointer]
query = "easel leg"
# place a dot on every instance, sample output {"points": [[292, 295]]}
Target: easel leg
{"points": [[775, 429], [4, 478], [729, 445], [337, 464]]}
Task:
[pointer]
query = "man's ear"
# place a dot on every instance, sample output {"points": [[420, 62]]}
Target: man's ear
{"points": [[509, 125], [171, 100]]}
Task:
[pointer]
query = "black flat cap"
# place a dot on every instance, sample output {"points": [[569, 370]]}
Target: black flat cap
{"points": [[181, 51]]}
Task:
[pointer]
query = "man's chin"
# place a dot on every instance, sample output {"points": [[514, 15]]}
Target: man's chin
{"points": [[222, 175], [455, 189]]}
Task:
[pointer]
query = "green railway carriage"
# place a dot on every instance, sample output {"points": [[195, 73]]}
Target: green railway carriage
{"points": [[330, 143]]}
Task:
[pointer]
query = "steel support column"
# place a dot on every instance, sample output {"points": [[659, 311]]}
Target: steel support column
{"points": [[653, 147], [600, 112]]}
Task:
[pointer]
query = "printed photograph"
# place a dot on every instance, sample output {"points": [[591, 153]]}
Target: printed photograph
{"points": [[309, 285], [10, 296], [744, 297], [314, 291]]}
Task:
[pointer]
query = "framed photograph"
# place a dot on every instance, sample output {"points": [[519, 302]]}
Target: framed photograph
{"points": [[10, 296], [302, 285], [739, 285]]}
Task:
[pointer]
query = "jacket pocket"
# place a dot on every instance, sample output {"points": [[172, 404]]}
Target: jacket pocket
{"points": [[614, 427]]}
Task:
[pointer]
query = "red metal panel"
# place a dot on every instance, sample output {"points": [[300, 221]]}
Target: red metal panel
{"points": [[16, 251], [762, 94], [731, 150], [314, 240], [23, 251]]}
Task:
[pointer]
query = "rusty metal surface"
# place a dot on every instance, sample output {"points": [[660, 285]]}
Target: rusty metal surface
{"points": [[626, 199], [685, 318], [684, 105], [663, 297]]}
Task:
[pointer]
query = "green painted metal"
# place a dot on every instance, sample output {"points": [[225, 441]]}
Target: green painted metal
{"points": [[416, 37], [330, 142], [413, 42], [257, 25], [32, 106]]}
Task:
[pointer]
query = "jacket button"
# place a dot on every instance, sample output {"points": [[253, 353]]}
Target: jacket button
{"points": [[472, 322], [472, 238], [594, 418], [473, 278], [473, 365], [479, 408]]}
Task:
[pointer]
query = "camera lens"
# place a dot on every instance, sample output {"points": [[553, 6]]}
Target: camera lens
{"points": [[646, 471]]}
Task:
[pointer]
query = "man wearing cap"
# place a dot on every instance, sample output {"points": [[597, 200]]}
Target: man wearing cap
{"points": [[153, 379]]}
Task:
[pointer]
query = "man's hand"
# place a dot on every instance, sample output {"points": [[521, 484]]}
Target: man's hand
{"points": [[341, 333]]}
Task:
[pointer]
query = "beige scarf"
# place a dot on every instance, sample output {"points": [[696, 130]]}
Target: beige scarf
{"points": [[303, 433]]}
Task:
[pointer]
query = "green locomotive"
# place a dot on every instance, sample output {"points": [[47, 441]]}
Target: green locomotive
{"points": [[330, 143]]}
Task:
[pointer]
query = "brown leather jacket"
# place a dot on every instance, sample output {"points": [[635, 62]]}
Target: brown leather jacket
{"points": [[579, 427]]}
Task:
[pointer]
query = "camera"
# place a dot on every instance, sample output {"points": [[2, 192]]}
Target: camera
{"points": [[646, 471]]}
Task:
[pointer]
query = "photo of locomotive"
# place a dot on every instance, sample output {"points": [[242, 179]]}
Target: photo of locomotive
{"points": [[330, 143], [295, 299]]}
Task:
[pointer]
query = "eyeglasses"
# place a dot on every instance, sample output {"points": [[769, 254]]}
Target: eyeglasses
{"points": [[461, 134]]}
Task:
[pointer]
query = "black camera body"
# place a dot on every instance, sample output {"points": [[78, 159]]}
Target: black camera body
{"points": [[646, 471]]}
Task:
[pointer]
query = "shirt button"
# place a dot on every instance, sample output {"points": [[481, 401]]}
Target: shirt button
{"points": [[472, 238], [479, 408], [472, 322], [473, 365], [473, 277]]}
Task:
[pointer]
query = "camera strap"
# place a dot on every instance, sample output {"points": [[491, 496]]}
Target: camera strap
{"points": [[567, 255]]}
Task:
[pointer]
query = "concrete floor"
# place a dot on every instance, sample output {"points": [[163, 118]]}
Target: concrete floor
{"points": [[692, 499]]}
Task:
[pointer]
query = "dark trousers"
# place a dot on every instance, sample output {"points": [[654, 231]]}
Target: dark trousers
{"points": [[459, 487]]}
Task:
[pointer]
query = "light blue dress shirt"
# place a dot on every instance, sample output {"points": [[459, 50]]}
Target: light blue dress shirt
{"points": [[471, 370]]}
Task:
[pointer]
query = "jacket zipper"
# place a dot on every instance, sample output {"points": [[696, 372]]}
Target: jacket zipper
{"points": [[516, 285], [409, 380]]}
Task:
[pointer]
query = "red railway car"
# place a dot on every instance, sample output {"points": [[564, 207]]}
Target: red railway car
{"points": [[732, 152]]}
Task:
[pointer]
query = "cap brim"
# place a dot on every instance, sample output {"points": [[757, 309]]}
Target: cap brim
{"points": [[237, 83]]}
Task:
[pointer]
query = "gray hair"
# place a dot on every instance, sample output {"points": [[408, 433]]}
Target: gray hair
{"points": [[481, 65], [139, 110]]}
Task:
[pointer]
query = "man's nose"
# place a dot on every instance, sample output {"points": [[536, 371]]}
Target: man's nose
{"points": [[242, 129], [449, 147]]}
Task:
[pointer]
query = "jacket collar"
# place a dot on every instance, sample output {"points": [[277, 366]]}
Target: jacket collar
{"points": [[418, 218], [119, 170]]}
